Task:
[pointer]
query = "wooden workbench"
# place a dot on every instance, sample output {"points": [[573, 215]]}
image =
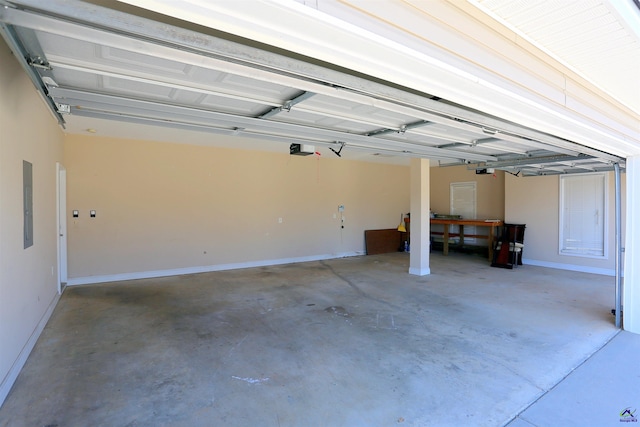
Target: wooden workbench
{"points": [[492, 224]]}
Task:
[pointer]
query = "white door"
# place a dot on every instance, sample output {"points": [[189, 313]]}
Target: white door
{"points": [[583, 215], [61, 181], [463, 202]]}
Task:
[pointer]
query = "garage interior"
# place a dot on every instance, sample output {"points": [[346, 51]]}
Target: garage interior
{"points": [[210, 189]]}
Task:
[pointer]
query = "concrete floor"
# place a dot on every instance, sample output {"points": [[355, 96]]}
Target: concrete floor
{"points": [[345, 342]]}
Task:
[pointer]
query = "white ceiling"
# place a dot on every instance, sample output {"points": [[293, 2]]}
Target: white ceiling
{"points": [[125, 76]]}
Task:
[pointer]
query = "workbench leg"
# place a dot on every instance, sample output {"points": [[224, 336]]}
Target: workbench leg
{"points": [[445, 240], [491, 238]]}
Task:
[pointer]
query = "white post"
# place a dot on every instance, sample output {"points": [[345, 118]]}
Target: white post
{"points": [[631, 287], [420, 225]]}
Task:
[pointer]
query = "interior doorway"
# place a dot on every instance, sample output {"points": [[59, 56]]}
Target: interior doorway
{"points": [[61, 204], [463, 202]]}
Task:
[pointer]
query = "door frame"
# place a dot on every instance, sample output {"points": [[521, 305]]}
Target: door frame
{"points": [[61, 221], [603, 218]]}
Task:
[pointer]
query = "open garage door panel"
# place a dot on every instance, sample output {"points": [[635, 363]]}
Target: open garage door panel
{"points": [[96, 64]]}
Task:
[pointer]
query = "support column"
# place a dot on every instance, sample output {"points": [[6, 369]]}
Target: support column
{"points": [[420, 226], [631, 287]]}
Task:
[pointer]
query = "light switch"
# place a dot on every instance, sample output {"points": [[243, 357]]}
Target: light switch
{"points": [[76, 214], [92, 214]]}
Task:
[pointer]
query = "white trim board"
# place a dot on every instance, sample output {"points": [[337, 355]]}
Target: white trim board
{"points": [[420, 271], [75, 281], [570, 267], [19, 363]]}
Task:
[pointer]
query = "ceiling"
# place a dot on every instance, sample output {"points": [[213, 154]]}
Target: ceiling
{"points": [[598, 39], [106, 72]]}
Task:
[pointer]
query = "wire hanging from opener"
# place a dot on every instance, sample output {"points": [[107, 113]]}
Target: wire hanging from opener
{"points": [[317, 153]]}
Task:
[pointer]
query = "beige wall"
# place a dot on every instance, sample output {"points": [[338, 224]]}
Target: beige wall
{"points": [[163, 206], [489, 190], [535, 201], [28, 277], [489, 196]]}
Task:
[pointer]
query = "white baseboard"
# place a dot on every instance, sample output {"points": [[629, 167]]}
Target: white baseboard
{"points": [[75, 281], [570, 267], [13, 373], [419, 271]]}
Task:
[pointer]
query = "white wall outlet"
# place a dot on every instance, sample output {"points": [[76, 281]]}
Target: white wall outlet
{"points": [[279, 220]]}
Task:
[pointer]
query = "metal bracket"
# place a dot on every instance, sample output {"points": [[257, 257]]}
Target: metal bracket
{"points": [[38, 62], [337, 153]]}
